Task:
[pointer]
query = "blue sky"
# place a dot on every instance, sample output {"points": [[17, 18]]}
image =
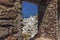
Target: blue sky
{"points": [[29, 9]]}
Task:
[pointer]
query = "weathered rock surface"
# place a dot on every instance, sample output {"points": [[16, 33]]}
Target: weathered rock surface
{"points": [[7, 2], [49, 25], [10, 17], [6, 22], [3, 32]]}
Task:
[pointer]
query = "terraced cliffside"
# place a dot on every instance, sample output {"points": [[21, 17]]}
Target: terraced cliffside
{"points": [[10, 18]]}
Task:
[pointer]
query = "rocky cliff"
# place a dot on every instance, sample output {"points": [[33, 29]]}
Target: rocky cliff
{"points": [[10, 18], [48, 27]]}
